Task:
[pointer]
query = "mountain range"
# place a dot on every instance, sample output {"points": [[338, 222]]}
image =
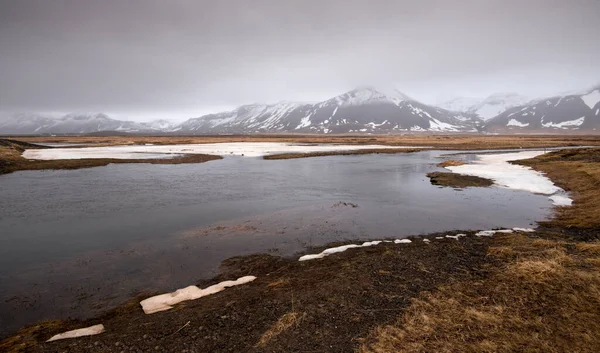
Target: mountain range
{"points": [[362, 110]]}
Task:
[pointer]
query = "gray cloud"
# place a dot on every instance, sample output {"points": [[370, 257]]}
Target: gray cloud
{"points": [[174, 58]]}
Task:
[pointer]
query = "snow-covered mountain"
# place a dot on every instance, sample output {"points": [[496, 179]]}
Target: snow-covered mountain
{"points": [[557, 114], [364, 109], [486, 108], [74, 124], [159, 125]]}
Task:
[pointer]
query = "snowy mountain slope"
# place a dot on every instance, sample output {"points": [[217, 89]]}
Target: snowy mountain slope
{"points": [[486, 108], [158, 125], [74, 124], [460, 104], [364, 109], [570, 112]]}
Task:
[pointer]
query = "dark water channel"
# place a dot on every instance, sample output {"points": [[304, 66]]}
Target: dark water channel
{"points": [[75, 243]]}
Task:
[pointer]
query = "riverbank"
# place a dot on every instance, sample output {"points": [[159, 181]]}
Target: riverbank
{"points": [[523, 291], [12, 161]]}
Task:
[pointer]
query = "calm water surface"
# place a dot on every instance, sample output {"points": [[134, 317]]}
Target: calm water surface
{"points": [[75, 243]]}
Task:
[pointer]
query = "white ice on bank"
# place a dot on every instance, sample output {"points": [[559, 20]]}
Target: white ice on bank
{"points": [[88, 331], [485, 233], [343, 248], [166, 301], [525, 230], [247, 149], [560, 200], [497, 168], [456, 237]]}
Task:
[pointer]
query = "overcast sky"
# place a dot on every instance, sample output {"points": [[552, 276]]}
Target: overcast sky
{"points": [[147, 59]]}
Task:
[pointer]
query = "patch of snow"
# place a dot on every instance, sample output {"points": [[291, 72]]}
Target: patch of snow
{"points": [[565, 124], [497, 168], [457, 236], [247, 149], [592, 99], [343, 248], [304, 122], [485, 233], [373, 125], [437, 125], [525, 230], [514, 122], [561, 200], [88, 331], [166, 301], [427, 240], [371, 243]]}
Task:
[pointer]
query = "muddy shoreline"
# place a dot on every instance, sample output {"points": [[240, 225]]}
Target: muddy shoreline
{"points": [[333, 290]]}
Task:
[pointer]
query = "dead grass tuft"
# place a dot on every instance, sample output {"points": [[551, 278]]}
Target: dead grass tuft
{"points": [[589, 248], [451, 163], [283, 324]]}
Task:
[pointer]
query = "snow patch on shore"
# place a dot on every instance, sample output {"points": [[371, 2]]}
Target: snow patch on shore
{"points": [[247, 149], [497, 168], [166, 301], [343, 248], [88, 331]]}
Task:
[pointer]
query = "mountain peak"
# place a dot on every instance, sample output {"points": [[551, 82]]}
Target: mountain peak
{"points": [[371, 95]]}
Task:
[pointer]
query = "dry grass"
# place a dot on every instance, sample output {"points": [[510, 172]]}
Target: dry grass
{"points": [[589, 248], [577, 171], [451, 163], [541, 300], [283, 324]]}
